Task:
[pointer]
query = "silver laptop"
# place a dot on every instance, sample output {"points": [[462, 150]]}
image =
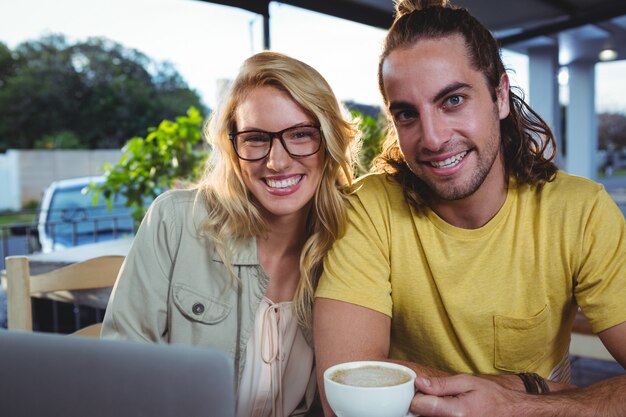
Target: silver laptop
{"points": [[54, 375]]}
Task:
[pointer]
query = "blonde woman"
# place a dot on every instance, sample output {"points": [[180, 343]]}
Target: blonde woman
{"points": [[233, 263]]}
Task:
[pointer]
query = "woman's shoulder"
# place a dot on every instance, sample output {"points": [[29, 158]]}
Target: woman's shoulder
{"points": [[178, 199], [179, 203], [177, 196]]}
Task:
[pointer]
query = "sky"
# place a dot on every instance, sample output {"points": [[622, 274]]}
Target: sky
{"points": [[208, 42]]}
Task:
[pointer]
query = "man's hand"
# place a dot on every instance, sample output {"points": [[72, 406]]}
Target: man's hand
{"points": [[463, 395], [473, 396]]}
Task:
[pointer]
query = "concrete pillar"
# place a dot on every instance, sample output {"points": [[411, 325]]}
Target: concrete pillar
{"points": [[543, 86], [582, 132], [267, 44]]}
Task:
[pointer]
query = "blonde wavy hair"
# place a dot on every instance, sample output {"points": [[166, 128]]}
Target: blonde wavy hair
{"points": [[233, 217]]}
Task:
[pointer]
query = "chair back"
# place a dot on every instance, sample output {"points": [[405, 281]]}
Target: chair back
{"points": [[100, 272]]}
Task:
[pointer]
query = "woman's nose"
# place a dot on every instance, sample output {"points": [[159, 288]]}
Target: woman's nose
{"points": [[278, 159]]}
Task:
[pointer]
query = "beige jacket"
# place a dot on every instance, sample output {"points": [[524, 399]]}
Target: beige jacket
{"points": [[173, 287]]}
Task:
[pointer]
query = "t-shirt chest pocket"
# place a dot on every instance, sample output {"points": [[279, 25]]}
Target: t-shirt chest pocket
{"points": [[521, 343]]}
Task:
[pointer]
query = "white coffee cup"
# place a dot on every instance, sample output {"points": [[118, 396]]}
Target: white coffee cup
{"points": [[369, 401]]}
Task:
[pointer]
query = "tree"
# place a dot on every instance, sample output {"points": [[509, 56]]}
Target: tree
{"points": [[61, 140], [99, 90], [7, 64], [611, 131]]}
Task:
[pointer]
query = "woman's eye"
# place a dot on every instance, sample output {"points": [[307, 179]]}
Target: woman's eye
{"points": [[300, 135], [256, 138]]}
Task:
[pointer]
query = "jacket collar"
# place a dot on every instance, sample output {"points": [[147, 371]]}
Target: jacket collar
{"points": [[245, 255]]}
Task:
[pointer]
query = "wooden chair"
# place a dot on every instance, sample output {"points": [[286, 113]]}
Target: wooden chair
{"points": [[100, 272]]}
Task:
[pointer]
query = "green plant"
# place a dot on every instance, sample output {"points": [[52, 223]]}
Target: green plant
{"points": [[373, 133], [11, 218], [170, 153]]}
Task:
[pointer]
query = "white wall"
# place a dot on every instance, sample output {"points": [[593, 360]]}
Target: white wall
{"points": [[9, 184], [24, 174]]}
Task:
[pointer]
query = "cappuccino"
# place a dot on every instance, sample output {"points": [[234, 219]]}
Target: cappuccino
{"points": [[370, 376]]}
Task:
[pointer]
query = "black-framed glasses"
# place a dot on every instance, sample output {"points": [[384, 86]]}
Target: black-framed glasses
{"points": [[299, 141]]}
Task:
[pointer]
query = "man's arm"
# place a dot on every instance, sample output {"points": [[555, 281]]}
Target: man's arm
{"points": [[471, 396], [347, 332]]}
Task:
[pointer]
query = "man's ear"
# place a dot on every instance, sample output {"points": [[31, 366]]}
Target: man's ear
{"points": [[502, 96]]}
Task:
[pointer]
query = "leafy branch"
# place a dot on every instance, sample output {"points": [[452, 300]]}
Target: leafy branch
{"points": [[171, 153]]}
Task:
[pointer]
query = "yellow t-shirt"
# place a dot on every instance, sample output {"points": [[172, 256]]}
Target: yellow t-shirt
{"points": [[490, 300]]}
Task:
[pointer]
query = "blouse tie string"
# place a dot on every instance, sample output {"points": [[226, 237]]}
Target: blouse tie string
{"points": [[271, 343]]}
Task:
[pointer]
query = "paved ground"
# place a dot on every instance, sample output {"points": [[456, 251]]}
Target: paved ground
{"points": [[616, 186], [587, 371]]}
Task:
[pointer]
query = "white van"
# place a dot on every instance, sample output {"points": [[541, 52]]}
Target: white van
{"points": [[68, 216]]}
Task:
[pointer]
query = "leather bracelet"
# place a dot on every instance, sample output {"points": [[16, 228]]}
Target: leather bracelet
{"points": [[541, 383], [533, 383], [529, 383]]}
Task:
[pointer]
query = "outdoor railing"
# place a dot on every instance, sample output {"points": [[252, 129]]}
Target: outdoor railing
{"points": [[24, 238]]}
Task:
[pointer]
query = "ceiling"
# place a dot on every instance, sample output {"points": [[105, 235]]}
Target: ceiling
{"points": [[581, 28]]}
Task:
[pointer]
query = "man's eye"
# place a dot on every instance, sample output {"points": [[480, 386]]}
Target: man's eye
{"points": [[404, 115], [454, 101]]}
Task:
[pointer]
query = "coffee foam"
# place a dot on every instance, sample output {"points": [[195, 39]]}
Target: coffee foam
{"points": [[370, 376]]}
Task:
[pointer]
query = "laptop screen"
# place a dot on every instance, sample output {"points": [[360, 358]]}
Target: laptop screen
{"points": [[45, 374]]}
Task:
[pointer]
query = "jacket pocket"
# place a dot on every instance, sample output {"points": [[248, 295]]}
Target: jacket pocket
{"points": [[521, 343], [199, 307]]}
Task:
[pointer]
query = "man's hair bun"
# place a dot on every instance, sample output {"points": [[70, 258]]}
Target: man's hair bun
{"points": [[404, 7]]}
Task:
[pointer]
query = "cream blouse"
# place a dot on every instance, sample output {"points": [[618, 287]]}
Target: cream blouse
{"points": [[278, 364]]}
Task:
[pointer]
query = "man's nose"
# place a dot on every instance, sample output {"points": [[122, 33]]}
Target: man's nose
{"points": [[435, 131]]}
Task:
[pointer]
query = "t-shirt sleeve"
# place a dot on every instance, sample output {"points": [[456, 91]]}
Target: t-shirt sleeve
{"points": [[357, 268], [600, 283]]}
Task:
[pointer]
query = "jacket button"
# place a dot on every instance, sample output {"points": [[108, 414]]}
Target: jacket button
{"points": [[197, 308]]}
